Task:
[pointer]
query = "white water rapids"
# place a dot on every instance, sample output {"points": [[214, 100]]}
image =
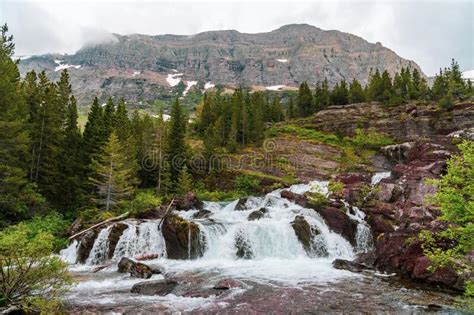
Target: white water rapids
{"points": [[274, 253]]}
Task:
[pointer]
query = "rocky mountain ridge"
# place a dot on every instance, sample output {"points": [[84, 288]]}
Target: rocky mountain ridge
{"points": [[144, 68]]}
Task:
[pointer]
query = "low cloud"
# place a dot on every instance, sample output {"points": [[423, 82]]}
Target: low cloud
{"points": [[430, 33]]}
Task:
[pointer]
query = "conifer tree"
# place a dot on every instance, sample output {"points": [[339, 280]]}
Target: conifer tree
{"points": [[305, 100], [340, 94], [18, 198], [356, 92], [121, 123], [185, 182], [175, 142], [291, 112], [114, 177], [73, 167], [109, 118], [94, 131]]}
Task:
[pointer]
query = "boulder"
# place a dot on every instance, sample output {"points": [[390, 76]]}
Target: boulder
{"points": [[226, 284], [398, 152], [136, 269], [257, 214], [349, 265], [339, 222], [86, 242], [303, 232], [155, 287], [389, 192], [114, 236], [241, 204], [202, 214], [187, 202], [296, 198], [177, 232]]}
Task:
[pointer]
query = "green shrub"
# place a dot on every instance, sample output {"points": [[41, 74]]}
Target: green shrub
{"points": [[246, 183], [370, 139], [219, 195], [144, 200], [455, 197], [31, 278], [316, 200]]}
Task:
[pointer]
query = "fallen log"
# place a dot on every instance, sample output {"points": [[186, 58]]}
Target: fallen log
{"points": [[99, 268], [120, 217], [146, 257]]}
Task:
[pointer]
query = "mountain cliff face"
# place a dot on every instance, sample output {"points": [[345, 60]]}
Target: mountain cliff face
{"points": [[142, 67]]}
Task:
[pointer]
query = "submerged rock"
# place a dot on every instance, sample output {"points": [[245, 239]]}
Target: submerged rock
{"points": [[136, 269], [155, 287], [202, 214], [349, 265], [241, 204], [226, 284], [243, 248], [257, 214]]}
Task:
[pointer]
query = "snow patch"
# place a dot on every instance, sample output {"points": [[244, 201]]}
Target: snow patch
{"points": [[135, 73], [468, 75], [275, 87], [189, 85], [209, 85], [282, 60], [173, 79], [166, 117], [61, 66]]}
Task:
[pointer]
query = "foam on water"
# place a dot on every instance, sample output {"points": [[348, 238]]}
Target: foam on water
{"points": [[377, 177]]}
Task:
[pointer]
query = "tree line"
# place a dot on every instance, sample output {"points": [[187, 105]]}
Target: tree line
{"points": [[406, 85]]}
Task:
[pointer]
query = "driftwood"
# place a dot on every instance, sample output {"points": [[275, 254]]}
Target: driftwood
{"points": [[146, 257], [99, 268], [166, 214], [120, 217]]}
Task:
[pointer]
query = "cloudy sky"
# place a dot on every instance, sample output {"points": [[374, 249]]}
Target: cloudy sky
{"points": [[428, 32]]}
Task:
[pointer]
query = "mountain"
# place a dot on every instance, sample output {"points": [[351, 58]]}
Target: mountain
{"points": [[145, 68]]}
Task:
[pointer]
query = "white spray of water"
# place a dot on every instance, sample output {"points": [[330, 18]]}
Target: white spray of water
{"points": [[69, 254]]}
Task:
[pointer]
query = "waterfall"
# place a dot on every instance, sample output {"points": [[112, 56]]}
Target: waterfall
{"points": [[139, 239], [229, 235], [364, 241], [69, 254], [100, 249]]}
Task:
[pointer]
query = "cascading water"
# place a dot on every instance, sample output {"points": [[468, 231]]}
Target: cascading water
{"points": [[229, 238], [139, 239], [100, 249]]}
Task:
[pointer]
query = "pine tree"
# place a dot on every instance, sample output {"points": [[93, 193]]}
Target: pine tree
{"points": [[305, 100], [121, 124], [291, 112], [94, 131], [356, 92], [374, 87], [440, 86], [71, 194], [18, 198], [386, 87], [185, 182], [109, 118], [114, 178], [175, 143], [276, 110], [340, 94]]}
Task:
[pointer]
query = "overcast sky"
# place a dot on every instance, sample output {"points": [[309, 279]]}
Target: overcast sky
{"points": [[428, 32]]}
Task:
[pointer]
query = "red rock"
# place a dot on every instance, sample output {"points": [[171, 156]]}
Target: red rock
{"points": [[339, 222], [226, 284], [296, 198], [352, 178]]}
